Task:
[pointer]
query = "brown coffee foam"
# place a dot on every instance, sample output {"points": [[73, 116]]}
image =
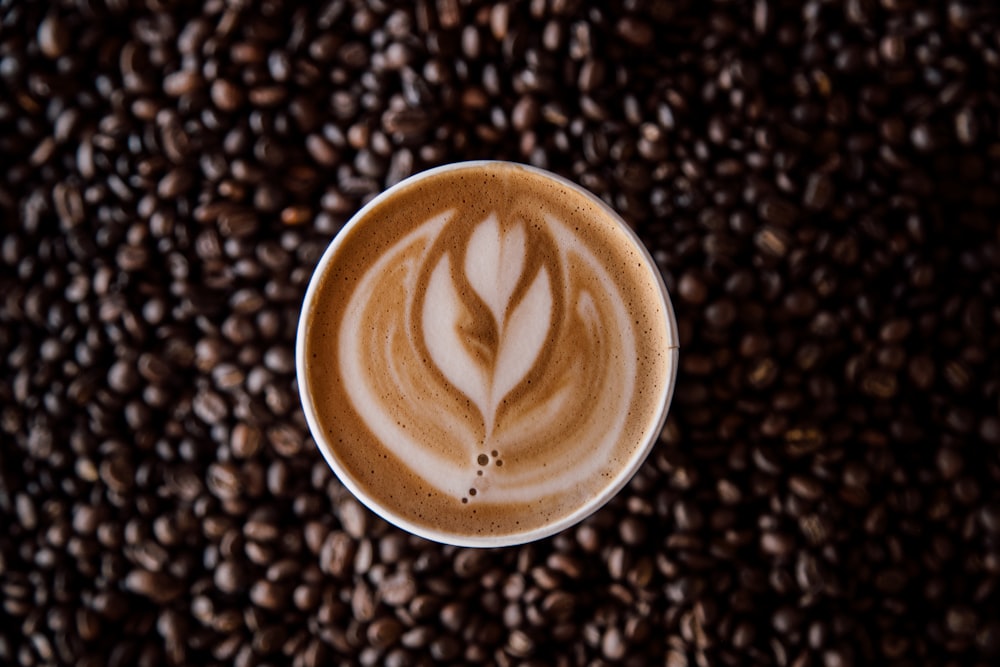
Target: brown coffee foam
{"points": [[387, 478]]}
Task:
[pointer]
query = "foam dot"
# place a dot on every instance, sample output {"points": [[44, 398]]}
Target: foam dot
{"points": [[483, 459], [472, 492]]}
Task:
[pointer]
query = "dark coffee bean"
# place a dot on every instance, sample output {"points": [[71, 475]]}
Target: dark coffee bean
{"points": [[53, 36], [226, 95], [245, 441], [224, 481], [174, 183], [408, 124], [777, 544], [337, 553], [209, 406], [692, 289], [923, 137], [260, 530], [957, 374], [879, 384], [961, 620], [295, 215], [398, 589], [267, 96], [118, 473], [786, 620], [122, 377], [836, 658], [800, 303], [763, 373], [613, 644], [721, 313], [819, 192], [805, 487], [922, 371], [182, 82], [384, 632], [353, 517], [269, 595], [279, 360], [772, 241], [322, 150], [778, 211], [989, 430], [445, 648], [69, 205], [635, 31], [160, 588], [229, 577]]}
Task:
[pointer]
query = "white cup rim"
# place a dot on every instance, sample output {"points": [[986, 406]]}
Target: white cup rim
{"points": [[625, 473]]}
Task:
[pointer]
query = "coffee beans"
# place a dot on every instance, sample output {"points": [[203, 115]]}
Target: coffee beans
{"points": [[816, 185]]}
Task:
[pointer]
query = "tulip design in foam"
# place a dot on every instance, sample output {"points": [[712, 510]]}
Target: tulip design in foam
{"points": [[493, 266], [557, 371]]}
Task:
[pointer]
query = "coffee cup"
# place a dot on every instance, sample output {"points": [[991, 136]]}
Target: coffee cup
{"points": [[486, 354]]}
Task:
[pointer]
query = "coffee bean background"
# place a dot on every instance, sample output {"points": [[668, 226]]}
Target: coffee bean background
{"points": [[819, 183]]}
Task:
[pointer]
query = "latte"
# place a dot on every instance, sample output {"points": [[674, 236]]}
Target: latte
{"points": [[485, 354]]}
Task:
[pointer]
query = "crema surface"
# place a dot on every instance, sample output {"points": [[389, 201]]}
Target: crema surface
{"points": [[487, 351]]}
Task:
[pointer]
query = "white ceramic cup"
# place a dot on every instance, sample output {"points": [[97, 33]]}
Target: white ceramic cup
{"points": [[623, 475]]}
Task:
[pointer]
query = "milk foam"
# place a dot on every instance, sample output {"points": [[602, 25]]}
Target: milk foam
{"points": [[485, 352], [393, 357]]}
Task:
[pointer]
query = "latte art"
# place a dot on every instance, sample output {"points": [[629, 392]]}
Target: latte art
{"points": [[486, 352], [522, 344]]}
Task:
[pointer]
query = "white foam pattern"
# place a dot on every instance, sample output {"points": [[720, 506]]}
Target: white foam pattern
{"points": [[496, 359]]}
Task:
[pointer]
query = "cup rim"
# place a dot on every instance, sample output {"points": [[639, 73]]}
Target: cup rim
{"points": [[625, 472]]}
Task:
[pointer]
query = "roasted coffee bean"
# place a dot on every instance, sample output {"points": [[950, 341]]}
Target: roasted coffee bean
{"points": [[53, 36], [160, 588], [182, 82], [691, 288], [226, 95], [819, 192], [269, 595], [245, 441]]}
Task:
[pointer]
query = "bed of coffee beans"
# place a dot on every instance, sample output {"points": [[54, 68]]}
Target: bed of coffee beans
{"points": [[818, 181]]}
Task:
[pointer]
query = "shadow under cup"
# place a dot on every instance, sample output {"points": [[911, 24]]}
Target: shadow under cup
{"points": [[486, 354]]}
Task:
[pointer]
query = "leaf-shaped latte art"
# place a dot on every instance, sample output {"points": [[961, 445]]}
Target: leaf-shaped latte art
{"points": [[556, 372], [442, 314], [493, 264], [522, 338]]}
